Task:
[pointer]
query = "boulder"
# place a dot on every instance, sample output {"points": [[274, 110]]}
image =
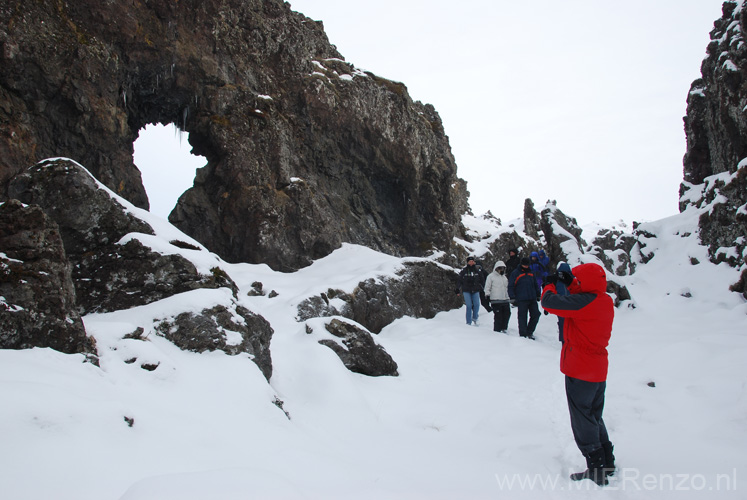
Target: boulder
{"points": [[358, 351], [232, 329]]}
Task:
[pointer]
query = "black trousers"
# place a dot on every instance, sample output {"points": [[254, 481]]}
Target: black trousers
{"points": [[524, 307], [501, 314], [585, 404]]}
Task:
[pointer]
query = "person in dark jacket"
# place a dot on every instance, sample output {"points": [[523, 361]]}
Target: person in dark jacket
{"points": [[588, 313], [513, 261], [524, 290], [470, 285]]}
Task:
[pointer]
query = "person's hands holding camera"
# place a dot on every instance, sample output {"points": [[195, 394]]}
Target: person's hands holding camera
{"points": [[565, 277]]}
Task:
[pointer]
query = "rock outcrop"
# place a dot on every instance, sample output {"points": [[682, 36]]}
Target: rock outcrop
{"points": [[78, 250], [37, 298], [559, 230], [421, 290], [108, 276], [614, 248], [715, 173], [232, 329], [304, 150]]}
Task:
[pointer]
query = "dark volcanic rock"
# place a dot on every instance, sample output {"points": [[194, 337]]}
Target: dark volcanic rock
{"points": [[107, 275], [233, 329], [122, 276], [304, 151], [558, 228], [422, 290], [360, 353], [89, 218], [37, 298], [614, 247], [531, 220], [715, 170]]}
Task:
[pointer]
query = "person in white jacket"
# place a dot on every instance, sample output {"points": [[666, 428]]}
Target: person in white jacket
{"points": [[496, 290]]}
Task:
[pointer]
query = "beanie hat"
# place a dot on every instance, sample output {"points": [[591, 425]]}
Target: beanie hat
{"points": [[525, 261]]}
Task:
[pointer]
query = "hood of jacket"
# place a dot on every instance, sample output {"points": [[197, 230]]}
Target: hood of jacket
{"points": [[498, 264], [564, 267], [591, 277], [534, 254]]}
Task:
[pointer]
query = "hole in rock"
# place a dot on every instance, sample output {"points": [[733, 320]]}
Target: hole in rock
{"points": [[161, 153]]}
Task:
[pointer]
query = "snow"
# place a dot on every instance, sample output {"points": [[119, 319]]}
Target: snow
{"points": [[730, 66], [698, 91], [473, 414]]}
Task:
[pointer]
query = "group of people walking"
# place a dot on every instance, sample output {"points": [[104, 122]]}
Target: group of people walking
{"points": [[585, 313], [517, 281]]}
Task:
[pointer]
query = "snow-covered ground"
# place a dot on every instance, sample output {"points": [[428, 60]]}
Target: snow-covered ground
{"points": [[473, 414]]}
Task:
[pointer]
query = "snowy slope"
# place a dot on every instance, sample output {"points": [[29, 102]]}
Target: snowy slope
{"points": [[474, 414]]}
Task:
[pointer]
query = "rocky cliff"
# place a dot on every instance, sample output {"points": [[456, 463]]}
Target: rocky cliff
{"points": [[304, 150], [715, 177]]}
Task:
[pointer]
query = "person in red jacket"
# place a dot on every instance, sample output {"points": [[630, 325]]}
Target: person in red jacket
{"points": [[588, 313]]}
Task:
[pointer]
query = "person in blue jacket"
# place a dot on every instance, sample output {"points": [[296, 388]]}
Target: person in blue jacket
{"points": [[564, 270], [537, 268], [525, 292], [544, 260]]}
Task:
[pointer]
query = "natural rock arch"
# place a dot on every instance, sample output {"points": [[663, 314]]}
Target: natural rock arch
{"points": [[304, 151]]}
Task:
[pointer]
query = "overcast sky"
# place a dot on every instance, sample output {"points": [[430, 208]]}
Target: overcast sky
{"points": [[580, 101]]}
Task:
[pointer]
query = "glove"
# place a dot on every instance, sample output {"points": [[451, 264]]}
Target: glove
{"points": [[565, 278], [550, 279]]}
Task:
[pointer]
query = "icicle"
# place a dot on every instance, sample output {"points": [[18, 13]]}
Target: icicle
{"points": [[178, 132]]}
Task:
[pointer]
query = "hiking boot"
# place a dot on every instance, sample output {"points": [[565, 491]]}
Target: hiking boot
{"points": [[595, 469]]}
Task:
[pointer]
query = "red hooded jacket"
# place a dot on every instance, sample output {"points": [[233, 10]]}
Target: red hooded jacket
{"points": [[588, 313]]}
